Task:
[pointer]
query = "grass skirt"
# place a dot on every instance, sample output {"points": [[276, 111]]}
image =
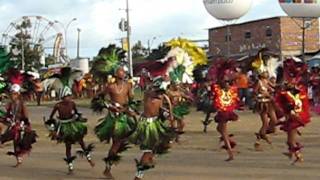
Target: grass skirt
{"points": [[22, 140], [181, 110], [70, 131], [152, 134], [114, 126]]}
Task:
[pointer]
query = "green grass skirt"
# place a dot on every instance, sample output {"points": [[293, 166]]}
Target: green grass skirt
{"points": [[114, 126], [181, 110], [71, 132], [152, 135]]}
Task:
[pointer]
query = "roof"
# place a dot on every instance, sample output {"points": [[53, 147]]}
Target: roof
{"points": [[249, 22]]}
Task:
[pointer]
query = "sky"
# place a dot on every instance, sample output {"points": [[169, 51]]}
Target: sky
{"points": [[155, 21]]}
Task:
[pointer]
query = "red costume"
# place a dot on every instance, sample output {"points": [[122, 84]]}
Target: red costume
{"points": [[225, 101], [294, 102], [295, 105]]}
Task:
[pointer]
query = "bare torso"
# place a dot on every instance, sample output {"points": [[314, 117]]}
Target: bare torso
{"points": [[17, 109], [264, 88], [120, 92], [152, 104], [66, 109], [175, 97]]}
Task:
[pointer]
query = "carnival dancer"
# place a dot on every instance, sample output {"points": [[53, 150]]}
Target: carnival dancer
{"points": [[293, 100], [152, 134], [225, 98], [69, 128], [265, 106], [38, 90], [264, 92], [180, 102], [19, 130], [119, 123], [202, 92], [315, 88]]}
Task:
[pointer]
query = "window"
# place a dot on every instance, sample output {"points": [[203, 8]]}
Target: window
{"points": [[268, 31], [308, 24], [247, 35], [226, 38]]}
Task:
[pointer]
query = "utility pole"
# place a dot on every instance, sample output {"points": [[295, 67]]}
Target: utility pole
{"points": [[303, 38], [22, 56], [128, 40], [78, 43]]}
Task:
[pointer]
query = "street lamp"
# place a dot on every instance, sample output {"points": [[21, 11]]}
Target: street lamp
{"points": [[78, 43], [150, 43], [65, 28]]}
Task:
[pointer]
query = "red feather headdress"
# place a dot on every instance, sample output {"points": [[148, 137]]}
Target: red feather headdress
{"points": [[294, 71], [222, 70], [14, 76]]}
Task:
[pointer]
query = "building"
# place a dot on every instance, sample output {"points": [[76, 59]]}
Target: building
{"points": [[281, 35]]}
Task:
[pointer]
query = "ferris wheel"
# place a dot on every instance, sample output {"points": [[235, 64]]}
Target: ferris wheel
{"points": [[43, 33]]}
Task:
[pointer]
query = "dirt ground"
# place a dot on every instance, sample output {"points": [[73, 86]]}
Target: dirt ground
{"points": [[197, 158]]}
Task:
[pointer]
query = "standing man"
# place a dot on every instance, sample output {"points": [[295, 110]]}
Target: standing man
{"points": [[38, 90], [118, 124], [242, 83]]}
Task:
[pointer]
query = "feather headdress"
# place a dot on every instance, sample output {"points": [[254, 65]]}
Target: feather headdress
{"points": [[15, 79], [269, 65], [222, 70], [107, 62], [187, 55], [294, 71]]}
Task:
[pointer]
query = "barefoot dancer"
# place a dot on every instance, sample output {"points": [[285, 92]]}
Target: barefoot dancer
{"points": [[19, 131], [225, 95], [265, 107], [294, 102], [180, 106], [117, 125], [69, 128], [152, 134]]}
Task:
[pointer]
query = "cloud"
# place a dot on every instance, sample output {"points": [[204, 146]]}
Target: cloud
{"points": [[98, 19]]}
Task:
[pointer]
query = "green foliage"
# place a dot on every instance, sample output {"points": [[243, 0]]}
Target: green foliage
{"points": [[5, 62], [30, 51], [106, 62]]}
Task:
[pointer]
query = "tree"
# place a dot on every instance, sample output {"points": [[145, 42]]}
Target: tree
{"points": [[139, 52], [159, 53], [27, 50]]}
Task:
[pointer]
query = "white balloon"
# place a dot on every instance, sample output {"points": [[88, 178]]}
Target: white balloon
{"points": [[227, 9], [305, 8]]}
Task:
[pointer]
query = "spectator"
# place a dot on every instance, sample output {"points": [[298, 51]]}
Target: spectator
{"points": [[242, 83]]}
